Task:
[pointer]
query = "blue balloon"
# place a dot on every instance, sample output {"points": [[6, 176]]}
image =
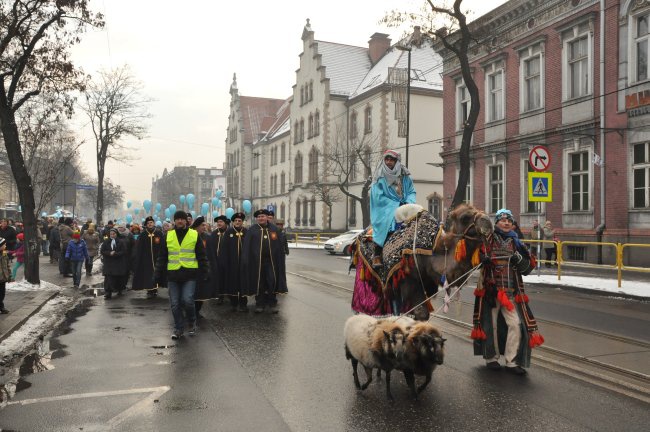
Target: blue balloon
{"points": [[158, 223], [205, 208], [129, 218], [193, 213], [219, 193], [218, 204], [190, 200], [129, 204], [158, 207], [147, 206], [167, 213], [215, 213], [229, 212], [247, 206], [172, 210], [215, 201], [182, 199], [136, 211]]}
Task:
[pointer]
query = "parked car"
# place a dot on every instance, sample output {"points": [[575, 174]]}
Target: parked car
{"points": [[342, 243]]}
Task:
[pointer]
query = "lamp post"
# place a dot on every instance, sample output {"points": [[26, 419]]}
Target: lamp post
{"points": [[408, 99]]}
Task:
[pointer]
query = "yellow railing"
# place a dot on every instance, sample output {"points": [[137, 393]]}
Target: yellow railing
{"points": [[312, 238], [618, 249]]}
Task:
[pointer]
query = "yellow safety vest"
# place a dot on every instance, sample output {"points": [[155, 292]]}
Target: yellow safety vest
{"points": [[182, 255]]}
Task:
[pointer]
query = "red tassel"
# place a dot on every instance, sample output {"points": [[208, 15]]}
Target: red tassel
{"points": [[525, 298], [478, 333], [535, 339], [461, 251], [479, 292], [504, 300]]}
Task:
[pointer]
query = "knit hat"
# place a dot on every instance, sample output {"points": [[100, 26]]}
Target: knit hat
{"points": [[114, 230], [180, 214], [76, 235], [501, 213], [20, 236]]}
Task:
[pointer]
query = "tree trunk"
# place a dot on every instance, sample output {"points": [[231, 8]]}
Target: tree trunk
{"points": [[100, 195], [25, 192], [329, 217], [365, 203]]}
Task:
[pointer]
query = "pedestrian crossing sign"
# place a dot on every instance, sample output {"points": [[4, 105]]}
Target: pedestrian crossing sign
{"points": [[540, 187]]}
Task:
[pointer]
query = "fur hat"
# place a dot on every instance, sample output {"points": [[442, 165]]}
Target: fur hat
{"points": [[238, 215], [197, 222], [180, 214], [261, 212], [147, 219], [222, 218]]}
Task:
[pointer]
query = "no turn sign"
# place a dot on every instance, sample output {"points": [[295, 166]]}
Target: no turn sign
{"points": [[539, 158]]}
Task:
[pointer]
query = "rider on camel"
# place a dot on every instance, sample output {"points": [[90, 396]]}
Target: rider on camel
{"points": [[391, 187]]}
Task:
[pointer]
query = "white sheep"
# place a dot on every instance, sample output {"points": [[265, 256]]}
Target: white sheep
{"points": [[375, 344]]}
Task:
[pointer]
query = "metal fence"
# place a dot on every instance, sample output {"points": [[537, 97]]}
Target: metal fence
{"points": [[617, 249]]}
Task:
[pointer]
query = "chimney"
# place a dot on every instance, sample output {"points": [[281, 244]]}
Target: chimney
{"points": [[378, 44]]}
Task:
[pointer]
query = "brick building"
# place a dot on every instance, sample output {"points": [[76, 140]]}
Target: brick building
{"points": [[542, 82]]}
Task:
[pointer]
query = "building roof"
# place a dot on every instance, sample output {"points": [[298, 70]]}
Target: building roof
{"points": [[345, 66], [426, 66], [258, 115]]}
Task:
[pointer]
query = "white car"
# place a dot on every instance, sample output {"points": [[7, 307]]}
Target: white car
{"points": [[342, 243]]}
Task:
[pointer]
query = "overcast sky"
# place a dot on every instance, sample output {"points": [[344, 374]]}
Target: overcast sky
{"points": [[185, 53]]}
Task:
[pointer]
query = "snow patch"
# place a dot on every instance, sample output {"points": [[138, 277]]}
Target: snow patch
{"points": [[635, 288], [23, 285]]}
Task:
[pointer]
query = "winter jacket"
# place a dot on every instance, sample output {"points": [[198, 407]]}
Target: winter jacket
{"points": [[5, 272], [9, 234], [55, 238], [66, 235], [115, 264], [92, 242], [77, 251], [19, 252]]}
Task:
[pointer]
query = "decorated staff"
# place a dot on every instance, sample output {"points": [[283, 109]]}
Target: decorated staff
{"points": [[232, 247], [263, 263], [503, 322], [146, 251]]}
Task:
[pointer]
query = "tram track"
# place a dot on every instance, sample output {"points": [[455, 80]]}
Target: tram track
{"points": [[615, 378]]}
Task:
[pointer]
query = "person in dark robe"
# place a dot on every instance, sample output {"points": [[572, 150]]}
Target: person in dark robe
{"points": [[263, 270], [203, 285], [216, 255], [113, 252], [145, 253], [233, 243]]}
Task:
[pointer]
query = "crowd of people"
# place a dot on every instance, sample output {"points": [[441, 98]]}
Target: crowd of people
{"points": [[195, 260]]}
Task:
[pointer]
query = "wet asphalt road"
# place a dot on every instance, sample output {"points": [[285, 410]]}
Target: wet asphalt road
{"points": [[277, 372]]}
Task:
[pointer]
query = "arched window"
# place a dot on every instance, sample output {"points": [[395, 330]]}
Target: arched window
{"points": [[353, 125], [282, 209], [312, 218], [282, 182], [367, 120], [311, 90], [310, 126], [296, 132], [313, 165], [305, 211], [236, 184], [302, 95], [317, 124], [367, 163], [298, 169], [283, 152], [298, 211], [302, 130]]}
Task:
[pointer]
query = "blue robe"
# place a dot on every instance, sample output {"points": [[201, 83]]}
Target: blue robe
{"points": [[383, 203]]}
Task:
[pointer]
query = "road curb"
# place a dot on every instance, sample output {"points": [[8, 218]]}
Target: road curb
{"points": [[600, 293], [16, 319]]}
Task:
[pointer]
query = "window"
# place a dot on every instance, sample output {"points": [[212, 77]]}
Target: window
{"points": [[311, 91], [317, 124], [435, 205], [305, 210], [353, 168], [462, 105], [312, 212], [256, 160], [298, 168], [302, 130], [496, 187], [494, 92], [313, 165], [352, 218], [578, 68], [641, 174], [296, 132], [576, 253], [367, 123], [577, 61], [310, 127], [641, 37], [274, 184], [283, 152], [236, 183], [579, 181], [302, 95], [282, 182], [367, 167], [282, 210], [532, 77], [353, 125], [298, 211]]}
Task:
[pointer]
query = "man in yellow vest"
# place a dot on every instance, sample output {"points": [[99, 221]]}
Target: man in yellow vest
{"points": [[182, 257]]}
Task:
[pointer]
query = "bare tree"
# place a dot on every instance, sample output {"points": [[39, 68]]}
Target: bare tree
{"points": [[350, 160], [117, 109], [329, 194], [113, 195], [48, 145], [35, 38], [448, 25]]}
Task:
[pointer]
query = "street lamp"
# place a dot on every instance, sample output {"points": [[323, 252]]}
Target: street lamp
{"points": [[408, 98]]}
